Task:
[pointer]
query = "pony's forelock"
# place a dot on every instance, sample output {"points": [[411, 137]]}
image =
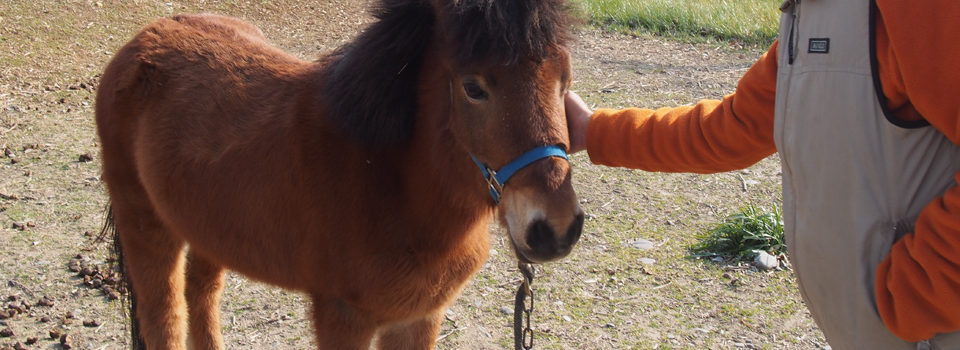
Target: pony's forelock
{"points": [[503, 31]]}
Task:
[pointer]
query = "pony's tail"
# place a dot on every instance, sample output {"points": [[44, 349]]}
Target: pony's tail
{"points": [[129, 299]]}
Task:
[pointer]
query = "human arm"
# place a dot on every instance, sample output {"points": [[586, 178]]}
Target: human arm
{"points": [[711, 136], [918, 284]]}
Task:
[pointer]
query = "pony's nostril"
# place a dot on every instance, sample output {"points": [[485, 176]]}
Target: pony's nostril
{"points": [[576, 228], [539, 236], [545, 244]]}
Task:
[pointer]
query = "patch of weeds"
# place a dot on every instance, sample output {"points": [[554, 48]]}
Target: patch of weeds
{"points": [[742, 235]]}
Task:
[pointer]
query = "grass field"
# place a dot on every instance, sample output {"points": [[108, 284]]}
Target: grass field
{"points": [[750, 21]]}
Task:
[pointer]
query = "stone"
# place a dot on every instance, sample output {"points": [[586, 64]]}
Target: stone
{"points": [[647, 261], [642, 244], [766, 261]]}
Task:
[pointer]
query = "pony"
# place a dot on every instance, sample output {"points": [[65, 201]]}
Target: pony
{"points": [[353, 179]]}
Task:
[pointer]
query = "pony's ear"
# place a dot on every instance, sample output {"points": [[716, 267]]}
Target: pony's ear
{"points": [[370, 86]]}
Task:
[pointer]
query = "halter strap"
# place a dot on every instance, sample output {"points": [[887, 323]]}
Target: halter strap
{"points": [[498, 179]]}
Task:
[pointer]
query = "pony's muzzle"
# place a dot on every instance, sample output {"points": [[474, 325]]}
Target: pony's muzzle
{"points": [[543, 217], [545, 244]]}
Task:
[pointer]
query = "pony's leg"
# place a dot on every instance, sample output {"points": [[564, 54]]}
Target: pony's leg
{"points": [[154, 259], [339, 326], [416, 334], [204, 287]]}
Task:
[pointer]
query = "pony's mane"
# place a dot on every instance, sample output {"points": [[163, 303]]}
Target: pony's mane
{"points": [[503, 31], [370, 84]]}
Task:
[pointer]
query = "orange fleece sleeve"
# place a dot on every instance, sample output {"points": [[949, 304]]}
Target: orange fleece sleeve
{"points": [[918, 284], [711, 136]]}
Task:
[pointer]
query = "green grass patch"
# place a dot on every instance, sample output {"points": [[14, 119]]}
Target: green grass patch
{"points": [[749, 21], [742, 235]]}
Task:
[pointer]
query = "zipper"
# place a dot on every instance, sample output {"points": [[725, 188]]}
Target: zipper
{"points": [[794, 7]]}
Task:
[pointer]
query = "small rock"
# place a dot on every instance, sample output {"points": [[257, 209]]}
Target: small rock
{"points": [[86, 157], [17, 307], [19, 346], [610, 325], [565, 318], [717, 259], [45, 319], [32, 340], [5, 315], [647, 261], [6, 332], [19, 226], [45, 301], [86, 271], [642, 244], [12, 298], [14, 160], [91, 323], [739, 345], [66, 342], [55, 333], [506, 310], [766, 261]]}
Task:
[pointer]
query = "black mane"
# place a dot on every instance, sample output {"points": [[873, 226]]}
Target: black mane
{"points": [[370, 85], [503, 31]]}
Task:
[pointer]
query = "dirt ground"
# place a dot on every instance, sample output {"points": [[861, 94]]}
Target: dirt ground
{"points": [[606, 295]]}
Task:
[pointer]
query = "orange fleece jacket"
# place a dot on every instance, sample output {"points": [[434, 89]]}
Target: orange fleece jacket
{"points": [[918, 48]]}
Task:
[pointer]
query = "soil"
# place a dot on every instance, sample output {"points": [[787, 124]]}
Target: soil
{"points": [[55, 271]]}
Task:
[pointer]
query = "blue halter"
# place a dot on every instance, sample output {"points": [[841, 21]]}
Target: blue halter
{"points": [[498, 179]]}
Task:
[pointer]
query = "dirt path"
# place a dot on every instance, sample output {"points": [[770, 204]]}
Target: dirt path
{"points": [[602, 297]]}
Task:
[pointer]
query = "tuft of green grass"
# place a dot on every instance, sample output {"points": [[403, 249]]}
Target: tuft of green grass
{"points": [[748, 21], [742, 235]]}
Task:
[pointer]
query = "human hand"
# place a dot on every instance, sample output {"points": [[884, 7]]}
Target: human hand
{"points": [[578, 118]]}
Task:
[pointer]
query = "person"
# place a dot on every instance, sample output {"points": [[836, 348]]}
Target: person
{"points": [[861, 99]]}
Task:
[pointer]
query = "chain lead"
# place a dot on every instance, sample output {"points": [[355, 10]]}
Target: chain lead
{"points": [[522, 329]]}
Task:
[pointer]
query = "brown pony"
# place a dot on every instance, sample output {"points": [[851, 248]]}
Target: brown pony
{"points": [[349, 178]]}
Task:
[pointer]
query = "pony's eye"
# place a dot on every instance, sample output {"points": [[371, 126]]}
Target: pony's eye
{"points": [[474, 91]]}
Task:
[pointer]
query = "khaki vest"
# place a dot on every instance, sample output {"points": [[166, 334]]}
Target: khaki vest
{"points": [[854, 177]]}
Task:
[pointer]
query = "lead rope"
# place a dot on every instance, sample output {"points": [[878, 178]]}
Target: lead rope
{"points": [[522, 333]]}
